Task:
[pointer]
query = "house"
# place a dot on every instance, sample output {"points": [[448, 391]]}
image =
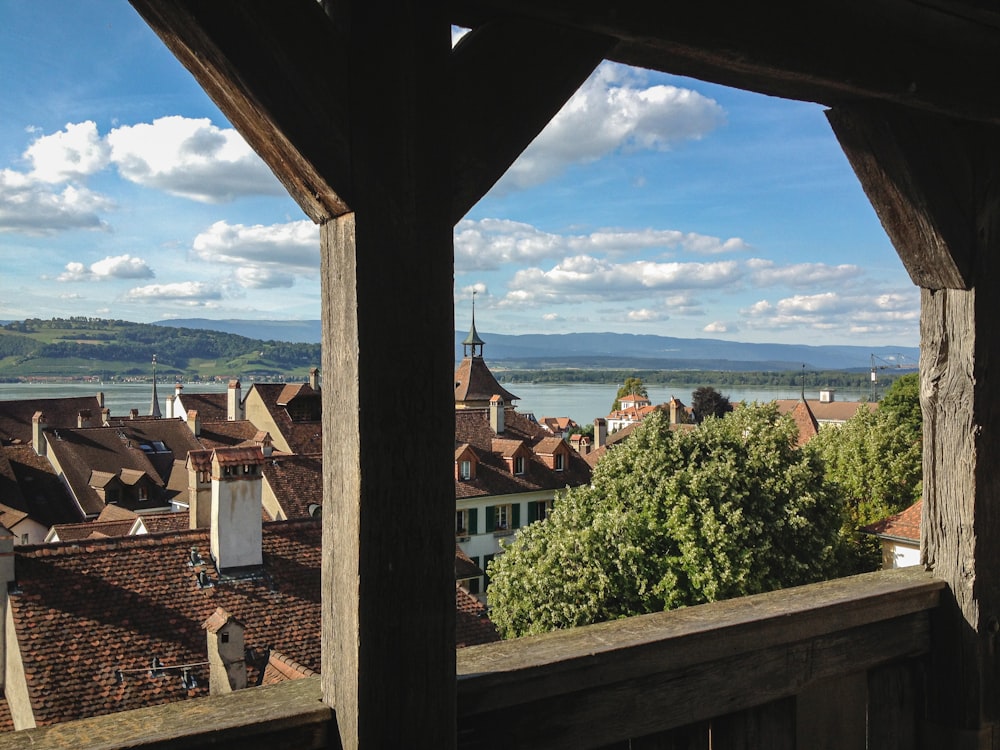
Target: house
{"points": [[103, 623], [212, 407], [32, 495], [508, 467], [899, 536], [826, 410], [291, 413], [559, 426], [76, 411]]}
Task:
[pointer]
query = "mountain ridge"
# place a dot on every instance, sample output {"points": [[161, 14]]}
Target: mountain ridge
{"points": [[540, 350]]}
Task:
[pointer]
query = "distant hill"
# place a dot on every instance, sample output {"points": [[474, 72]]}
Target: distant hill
{"points": [[607, 350]]}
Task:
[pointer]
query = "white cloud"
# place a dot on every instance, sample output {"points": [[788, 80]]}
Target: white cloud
{"points": [[294, 245], [887, 313], [584, 277], [488, 244], [30, 207], [111, 267], [71, 154], [646, 315], [717, 326], [613, 110], [191, 158], [184, 291], [768, 273]]}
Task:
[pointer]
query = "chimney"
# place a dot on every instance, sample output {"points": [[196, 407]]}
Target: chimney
{"points": [[100, 400], [600, 432], [199, 466], [38, 427], [263, 439], [227, 667], [236, 507], [133, 413], [105, 417], [6, 577], [314, 378], [826, 396], [194, 422], [83, 418], [496, 414], [234, 402], [673, 410]]}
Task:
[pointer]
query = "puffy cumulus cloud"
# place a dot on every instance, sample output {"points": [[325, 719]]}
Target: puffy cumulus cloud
{"points": [[488, 244], [72, 154], [888, 313], [293, 245], [111, 267], [683, 304], [768, 273], [30, 207], [717, 326], [191, 158], [258, 277], [613, 110], [188, 292], [584, 277]]}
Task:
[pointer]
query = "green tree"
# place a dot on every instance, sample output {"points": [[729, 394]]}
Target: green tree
{"points": [[707, 402], [873, 462], [672, 519], [633, 386], [903, 398]]}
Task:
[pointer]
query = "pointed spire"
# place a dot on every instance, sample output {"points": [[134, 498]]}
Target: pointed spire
{"points": [[154, 406], [472, 340], [803, 381]]}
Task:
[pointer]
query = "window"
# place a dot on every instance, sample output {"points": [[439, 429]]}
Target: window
{"points": [[465, 469], [560, 461], [539, 510], [24, 540], [519, 464], [501, 518], [465, 522]]}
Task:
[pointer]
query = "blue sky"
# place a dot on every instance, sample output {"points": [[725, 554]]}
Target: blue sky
{"points": [[651, 204]]}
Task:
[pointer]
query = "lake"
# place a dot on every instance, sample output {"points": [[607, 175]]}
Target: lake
{"points": [[580, 401]]}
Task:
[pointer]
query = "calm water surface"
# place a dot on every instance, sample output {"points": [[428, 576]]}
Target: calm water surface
{"points": [[579, 401]]}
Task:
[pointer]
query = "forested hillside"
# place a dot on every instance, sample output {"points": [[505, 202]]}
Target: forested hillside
{"points": [[118, 348]]}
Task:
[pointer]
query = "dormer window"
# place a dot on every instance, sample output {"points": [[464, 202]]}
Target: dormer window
{"points": [[465, 470], [560, 462], [518, 464]]}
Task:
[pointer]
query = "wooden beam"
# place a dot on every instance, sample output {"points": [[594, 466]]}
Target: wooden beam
{"points": [[938, 56], [925, 177], [388, 657], [275, 71], [509, 79]]}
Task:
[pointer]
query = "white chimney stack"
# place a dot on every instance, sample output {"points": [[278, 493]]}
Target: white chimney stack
{"points": [[237, 485], [234, 402]]}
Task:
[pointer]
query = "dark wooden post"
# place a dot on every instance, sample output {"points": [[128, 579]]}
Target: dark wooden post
{"points": [[388, 404], [934, 183]]}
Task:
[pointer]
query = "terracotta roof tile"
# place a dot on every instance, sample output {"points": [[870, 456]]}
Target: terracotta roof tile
{"points": [[903, 526], [296, 481], [15, 416], [472, 625]]}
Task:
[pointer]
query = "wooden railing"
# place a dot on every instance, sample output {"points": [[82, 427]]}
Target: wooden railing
{"points": [[832, 665]]}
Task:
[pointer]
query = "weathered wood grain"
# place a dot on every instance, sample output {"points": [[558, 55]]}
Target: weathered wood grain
{"points": [[939, 56], [767, 727], [388, 656], [275, 70], [289, 716], [895, 696]]}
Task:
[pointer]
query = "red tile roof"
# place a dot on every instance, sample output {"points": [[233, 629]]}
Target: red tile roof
{"points": [[85, 611], [296, 481], [15, 416], [475, 383], [904, 526], [40, 493], [493, 477], [281, 668]]}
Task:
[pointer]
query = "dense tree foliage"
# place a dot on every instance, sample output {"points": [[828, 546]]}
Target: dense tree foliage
{"points": [[632, 386], [707, 402], [903, 398], [673, 519], [873, 462]]}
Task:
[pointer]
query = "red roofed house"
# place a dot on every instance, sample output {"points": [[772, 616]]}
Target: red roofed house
{"points": [[900, 537], [507, 466]]}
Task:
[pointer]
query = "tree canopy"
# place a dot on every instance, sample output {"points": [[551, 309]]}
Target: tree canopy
{"points": [[903, 398], [673, 519], [633, 386], [707, 402], [873, 462]]}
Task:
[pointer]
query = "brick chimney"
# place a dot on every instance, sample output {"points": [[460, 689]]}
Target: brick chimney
{"points": [[600, 432], [314, 378], [6, 577], [234, 401], [199, 467], [227, 667], [496, 414], [38, 427], [237, 487]]}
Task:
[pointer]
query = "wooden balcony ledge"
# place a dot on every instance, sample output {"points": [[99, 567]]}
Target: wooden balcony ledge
{"points": [[590, 686]]}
